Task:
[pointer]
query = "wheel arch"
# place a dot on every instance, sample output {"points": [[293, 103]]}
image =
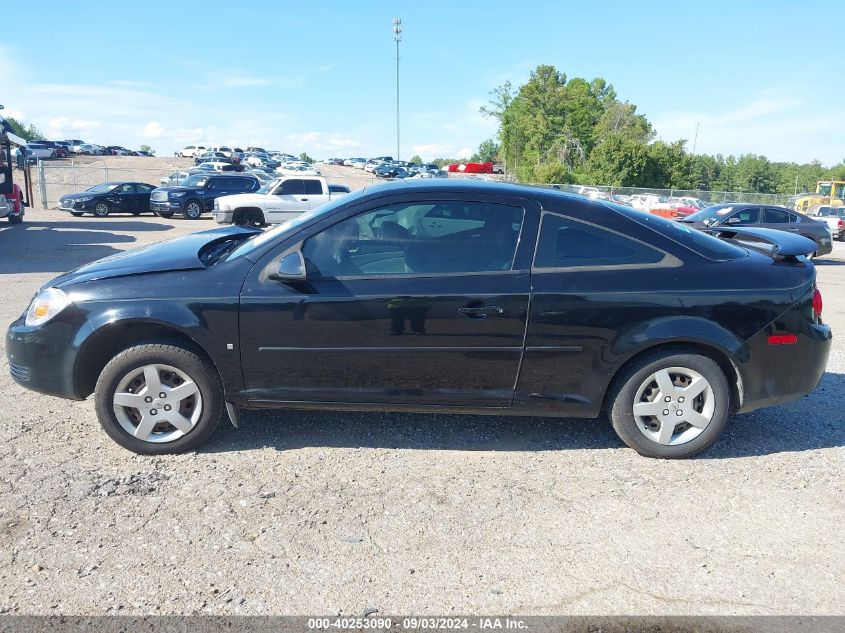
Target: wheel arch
{"points": [[105, 343], [256, 212], [679, 346]]}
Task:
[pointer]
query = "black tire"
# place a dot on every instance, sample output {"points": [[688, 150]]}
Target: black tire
{"points": [[77, 214], [102, 210], [200, 370], [16, 219], [193, 209], [136, 212], [248, 217], [164, 214], [624, 390]]}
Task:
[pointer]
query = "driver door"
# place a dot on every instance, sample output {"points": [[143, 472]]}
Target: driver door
{"points": [[386, 315]]}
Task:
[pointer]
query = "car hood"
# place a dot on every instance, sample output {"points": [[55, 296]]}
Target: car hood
{"points": [[181, 253], [176, 188], [81, 194]]}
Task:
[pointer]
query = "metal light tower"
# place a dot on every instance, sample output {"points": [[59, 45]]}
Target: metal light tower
{"points": [[397, 37]]}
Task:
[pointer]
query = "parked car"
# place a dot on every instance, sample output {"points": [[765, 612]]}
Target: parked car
{"points": [[526, 301], [278, 201], [358, 163], [117, 150], [191, 151], [91, 149], [60, 148], [109, 197], [197, 193], [223, 149], [259, 150], [736, 214], [74, 144], [39, 151], [144, 153], [211, 156], [834, 217], [219, 165], [472, 168], [289, 169], [174, 179]]}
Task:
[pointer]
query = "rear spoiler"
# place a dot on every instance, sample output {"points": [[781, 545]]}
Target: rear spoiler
{"points": [[778, 244]]}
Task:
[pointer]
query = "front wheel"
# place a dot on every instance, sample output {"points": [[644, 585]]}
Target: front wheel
{"points": [[101, 209], [193, 210], [671, 405], [157, 399], [76, 214], [16, 219]]}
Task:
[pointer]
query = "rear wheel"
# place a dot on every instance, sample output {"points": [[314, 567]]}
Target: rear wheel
{"points": [[193, 210], [16, 219], [101, 210], [671, 405], [158, 398]]}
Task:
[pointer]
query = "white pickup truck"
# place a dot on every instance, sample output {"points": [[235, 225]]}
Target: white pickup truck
{"points": [[835, 219], [277, 201]]}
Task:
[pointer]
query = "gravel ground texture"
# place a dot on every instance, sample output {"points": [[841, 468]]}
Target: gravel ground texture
{"points": [[330, 513]]}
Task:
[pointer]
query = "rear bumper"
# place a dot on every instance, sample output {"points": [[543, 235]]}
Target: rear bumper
{"points": [[777, 374]]}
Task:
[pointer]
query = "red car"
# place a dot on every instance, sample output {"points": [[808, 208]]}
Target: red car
{"points": [[472, 168]]}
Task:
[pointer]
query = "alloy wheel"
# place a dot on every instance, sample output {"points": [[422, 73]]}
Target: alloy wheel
{"points": [[674, 405], [157, 403], [101, 210], [193, 210]]}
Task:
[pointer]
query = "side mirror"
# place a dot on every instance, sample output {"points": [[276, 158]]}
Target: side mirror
{"points": [[734, 220], [291, 268]]}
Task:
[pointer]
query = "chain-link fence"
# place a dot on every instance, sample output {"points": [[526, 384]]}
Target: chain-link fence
{"points": [[713, 197], [56, 178]]}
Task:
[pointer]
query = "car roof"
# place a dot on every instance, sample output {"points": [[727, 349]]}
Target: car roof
{"points": [[476, 186]]}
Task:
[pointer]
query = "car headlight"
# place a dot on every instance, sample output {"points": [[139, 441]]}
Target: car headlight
{"points": [[84, 199], [178, 194], [46, 304]]}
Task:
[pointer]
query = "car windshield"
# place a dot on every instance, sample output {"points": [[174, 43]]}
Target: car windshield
{"points": [[103, 188], [270, 185], [294, 224], [196, 180], [710, 214]]}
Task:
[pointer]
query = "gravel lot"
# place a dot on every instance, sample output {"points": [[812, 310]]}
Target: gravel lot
{"points": [[302, 513]]}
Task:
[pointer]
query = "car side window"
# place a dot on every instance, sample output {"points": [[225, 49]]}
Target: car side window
{"points": [[564, 242], [745, 216], [126, 189], [312, 187], [778, 216], [144, 188], [393, 240], [294, 187], [214, 183]]}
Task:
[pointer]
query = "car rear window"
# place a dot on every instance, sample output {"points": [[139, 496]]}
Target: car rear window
{"points": [[702, 243]]}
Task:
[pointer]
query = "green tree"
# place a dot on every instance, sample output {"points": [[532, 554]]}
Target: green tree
{"points": [[618, 161], [27, 132], [147, 148], [306, 158], [416, 159], [670, 166], [622, 120], [488, 152]]}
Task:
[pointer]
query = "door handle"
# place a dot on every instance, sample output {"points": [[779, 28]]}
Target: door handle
{"points": [[304, 199], [481, 312]]}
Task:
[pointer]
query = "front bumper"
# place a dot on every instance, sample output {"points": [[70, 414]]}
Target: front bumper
{"points": [[74, 205], [222, 216], [825, 246], [169, 206], [42, 358]]}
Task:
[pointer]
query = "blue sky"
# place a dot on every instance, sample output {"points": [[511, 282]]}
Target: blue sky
{"points": [[319, 77]]}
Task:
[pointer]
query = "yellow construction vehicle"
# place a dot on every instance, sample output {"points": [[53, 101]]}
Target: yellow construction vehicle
{"points": [[830, 192]]}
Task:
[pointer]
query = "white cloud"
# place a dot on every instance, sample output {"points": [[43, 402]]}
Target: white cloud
{"points": [[777, 125], [429, 151], [321, 142], [152, 129]]}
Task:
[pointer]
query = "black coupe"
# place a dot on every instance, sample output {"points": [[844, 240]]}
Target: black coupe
{"points": [[469, 297]]}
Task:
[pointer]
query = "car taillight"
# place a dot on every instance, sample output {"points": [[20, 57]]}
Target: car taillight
{"points": [[817, 303], [841, 223]]}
